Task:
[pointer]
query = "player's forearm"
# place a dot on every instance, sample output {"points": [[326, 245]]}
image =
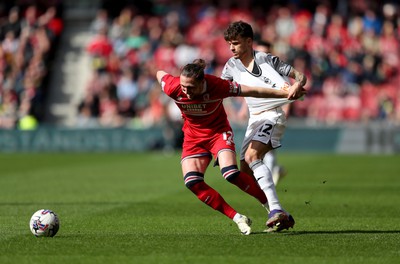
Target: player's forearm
{"points": [[262, 92], [300, 78]]}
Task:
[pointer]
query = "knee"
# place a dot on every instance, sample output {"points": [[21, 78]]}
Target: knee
{"points": [[250, 156]]}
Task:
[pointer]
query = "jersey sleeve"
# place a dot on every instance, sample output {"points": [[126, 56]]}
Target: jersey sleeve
{"points": [[230, 88], [280, 66], [223, 88], [235, 88], [226, 72], [169, 84]]}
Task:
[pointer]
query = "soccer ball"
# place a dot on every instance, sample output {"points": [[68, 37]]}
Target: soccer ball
{"points": [[44, 223]]}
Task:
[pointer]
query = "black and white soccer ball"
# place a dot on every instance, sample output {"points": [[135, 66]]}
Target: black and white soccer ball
{"points": [[44, 223]]}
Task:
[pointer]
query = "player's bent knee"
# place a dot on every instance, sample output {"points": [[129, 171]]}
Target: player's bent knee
{"points": [[230, 172], [250, 158], [192, 178]]}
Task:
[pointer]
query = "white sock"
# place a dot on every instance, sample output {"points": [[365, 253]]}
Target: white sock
{"points": [[270, 160], [263, 176]]}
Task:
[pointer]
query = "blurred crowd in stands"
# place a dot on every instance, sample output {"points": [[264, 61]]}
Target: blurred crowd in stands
{"points": [[29, 32], [349, 50]]}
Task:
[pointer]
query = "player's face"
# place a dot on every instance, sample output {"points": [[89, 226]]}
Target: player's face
{"points": [[191, 87], [240, 47]]}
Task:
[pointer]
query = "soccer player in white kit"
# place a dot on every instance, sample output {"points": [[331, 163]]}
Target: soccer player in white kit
{"points": [[270, 159], [267, 120]]}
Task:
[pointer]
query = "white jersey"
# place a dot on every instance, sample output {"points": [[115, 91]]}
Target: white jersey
{"points": [[270, 72]]}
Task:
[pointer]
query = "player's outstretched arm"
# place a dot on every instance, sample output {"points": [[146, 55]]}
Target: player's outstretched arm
{"points": [[250, 91], [160, 75], [262, 92]]}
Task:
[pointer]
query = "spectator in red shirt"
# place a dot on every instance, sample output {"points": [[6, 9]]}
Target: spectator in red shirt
{"points": [[100, 45]]}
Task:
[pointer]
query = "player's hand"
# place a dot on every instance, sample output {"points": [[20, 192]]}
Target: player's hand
{"points": [[296, 91]]}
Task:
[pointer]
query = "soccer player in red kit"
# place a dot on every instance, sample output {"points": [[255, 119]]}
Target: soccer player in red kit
{"points": [[208, 134]]}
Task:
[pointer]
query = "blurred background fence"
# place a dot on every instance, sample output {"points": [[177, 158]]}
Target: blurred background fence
{"points": [[372, 139]]}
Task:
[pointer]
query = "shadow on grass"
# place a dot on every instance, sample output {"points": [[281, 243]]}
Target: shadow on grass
{"points": [[322, 232]]}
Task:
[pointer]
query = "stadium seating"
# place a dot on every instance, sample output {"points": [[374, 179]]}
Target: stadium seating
{"points": [[348, 50], [29, 34], [342, 53]]}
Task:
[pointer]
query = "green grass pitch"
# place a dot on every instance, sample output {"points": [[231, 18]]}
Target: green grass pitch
{"points": [[134, 208]]}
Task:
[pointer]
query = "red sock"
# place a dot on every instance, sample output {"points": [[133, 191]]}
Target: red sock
{"points": [[212, 198], [247, 183]]}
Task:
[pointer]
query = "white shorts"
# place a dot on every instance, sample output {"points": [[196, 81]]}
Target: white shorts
{"points": [[265, 127]]}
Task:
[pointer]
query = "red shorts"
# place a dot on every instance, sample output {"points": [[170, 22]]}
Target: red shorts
{"points": [[211, 145]]}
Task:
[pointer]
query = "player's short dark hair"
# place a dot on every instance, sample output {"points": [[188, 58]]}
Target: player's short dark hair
{"points": [[195, 69], [238, 29]]}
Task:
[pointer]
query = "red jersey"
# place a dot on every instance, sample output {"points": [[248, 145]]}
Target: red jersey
{"points": [[204, 115]]}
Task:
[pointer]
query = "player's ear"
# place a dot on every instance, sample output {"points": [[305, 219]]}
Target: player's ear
{"points": [[249, 41]]}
